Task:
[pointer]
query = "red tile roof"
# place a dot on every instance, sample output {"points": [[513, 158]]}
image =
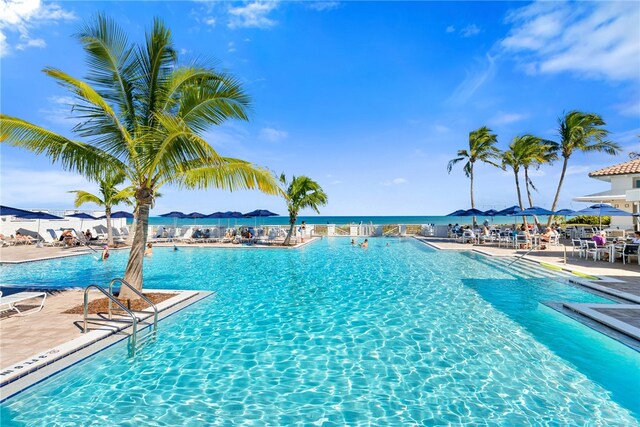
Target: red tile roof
{"points": [[632, 166]]}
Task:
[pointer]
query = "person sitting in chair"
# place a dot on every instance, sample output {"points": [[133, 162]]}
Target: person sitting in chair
{"points": [[600, 238]]}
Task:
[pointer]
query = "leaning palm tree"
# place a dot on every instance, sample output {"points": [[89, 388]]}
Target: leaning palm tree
{"points": [[512, 157], [482, 147], [580, 131], [144, 115], [538, 152], [109, 197], [301, 192]]}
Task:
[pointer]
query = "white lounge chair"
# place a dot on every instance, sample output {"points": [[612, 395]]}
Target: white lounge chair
{"points": [[11, 302]]}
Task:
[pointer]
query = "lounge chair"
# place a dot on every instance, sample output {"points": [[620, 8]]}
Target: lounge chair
{"points": [[11, 302], [51, 238], [186, 237]]}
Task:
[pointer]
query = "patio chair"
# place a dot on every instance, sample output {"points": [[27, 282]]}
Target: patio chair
{"points": [[51, 238], [576, 245], [11, 302], [593, 249], [630, 251]]}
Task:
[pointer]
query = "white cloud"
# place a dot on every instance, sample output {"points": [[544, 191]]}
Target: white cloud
{"points": [[323, 5], [629, 108], [254, 14], [578, 170], [441, 129], [451, 29], [273, 135], [211, 21], [590, 39], [231, 47], [395, 181], [37, 188], [506, 118], [21, 16], [336, 182], [473, 81], [470, 30], [59, 111]]}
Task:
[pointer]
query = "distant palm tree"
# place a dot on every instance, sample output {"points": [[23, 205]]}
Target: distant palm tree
{"points": [[513, 158], [538, 152], [580, 131], [109, 197], [301, 192], [144, 116], [633, 155], [482, 147]]}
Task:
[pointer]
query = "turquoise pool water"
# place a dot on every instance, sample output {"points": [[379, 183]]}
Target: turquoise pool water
{"points": [[337, 335]]}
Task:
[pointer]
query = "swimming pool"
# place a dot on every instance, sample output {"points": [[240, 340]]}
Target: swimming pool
{"points": [[333, 335]]}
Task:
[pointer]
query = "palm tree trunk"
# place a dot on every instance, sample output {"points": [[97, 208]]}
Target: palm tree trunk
{"points": [[515, 173], [526, 185], [133, 273], [107, 212], [292, 224], [473, 202], [555, 200]]}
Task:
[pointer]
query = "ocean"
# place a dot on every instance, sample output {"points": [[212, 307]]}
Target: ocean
{"points": [[339, 220]]}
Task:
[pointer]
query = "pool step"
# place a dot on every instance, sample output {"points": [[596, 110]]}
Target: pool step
{"points": [[527, 269]]}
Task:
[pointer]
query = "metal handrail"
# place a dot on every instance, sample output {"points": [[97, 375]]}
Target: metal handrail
{"points": [[134, 319], [137, 292]]}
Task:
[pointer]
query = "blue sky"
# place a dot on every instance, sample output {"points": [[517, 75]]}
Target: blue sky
{"points": [[371, 99]]}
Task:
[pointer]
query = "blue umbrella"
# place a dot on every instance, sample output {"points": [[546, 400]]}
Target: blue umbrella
{"points": [[175, 215], [534, 211], [456, 213], [602, 209], [118, 214], [82, 217], [216, 215], [491, 212], [564, 212], [509, 211], [7, 211], [472, 212], [259, 212], [195, 216]]}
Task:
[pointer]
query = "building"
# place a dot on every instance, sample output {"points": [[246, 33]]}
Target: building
{"points": [[624, 193]]}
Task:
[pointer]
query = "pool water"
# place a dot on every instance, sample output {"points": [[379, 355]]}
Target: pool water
{"points": [[337, 335]]}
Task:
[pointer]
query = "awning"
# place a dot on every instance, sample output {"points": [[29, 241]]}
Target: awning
{"points": [[603, 196]]}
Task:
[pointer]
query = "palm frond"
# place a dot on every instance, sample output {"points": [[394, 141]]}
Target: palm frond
{"points": [[71, 155], [83, 197]]}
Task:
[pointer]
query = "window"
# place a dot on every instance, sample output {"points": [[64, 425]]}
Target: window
{"points": [[636, 183]]}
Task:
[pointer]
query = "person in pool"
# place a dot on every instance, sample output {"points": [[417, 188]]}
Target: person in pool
{"points": [[105, 253], [365, 244], [175, 248], [149, 250]]}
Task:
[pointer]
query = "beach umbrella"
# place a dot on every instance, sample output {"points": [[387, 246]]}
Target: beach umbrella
{"points": [[118, 214], [259, 212], [456, 213], [7, 211], [564, 212], [195, 216], [491, 212], [216, 215], [509, 211], [175, 215], [472, 212], [38, 216], [602, 209], [533, 211], [82, 217]]}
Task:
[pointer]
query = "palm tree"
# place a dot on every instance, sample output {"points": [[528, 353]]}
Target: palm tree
{"points": [[512, 157], [538, 152], [580, 131], [301, 192], [482, 146], [109, 196], [144, 116]]}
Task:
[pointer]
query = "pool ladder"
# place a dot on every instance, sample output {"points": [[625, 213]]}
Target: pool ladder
{"points": [[112, 299]]}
